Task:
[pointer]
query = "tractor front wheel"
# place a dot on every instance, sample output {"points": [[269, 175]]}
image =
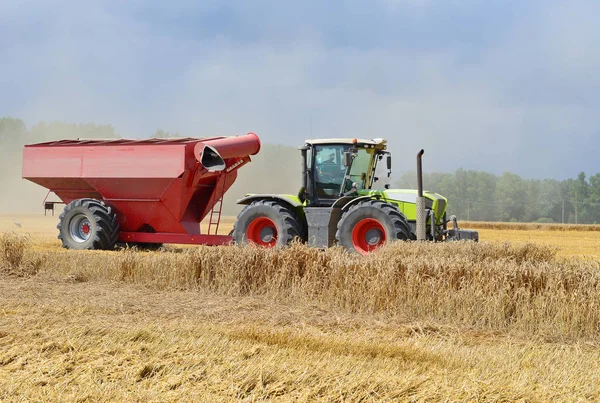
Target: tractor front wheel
{"points": [[267, 223], [371, 224], [88, 224]]}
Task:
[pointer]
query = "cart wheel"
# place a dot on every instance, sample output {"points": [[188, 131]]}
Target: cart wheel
{"points": [[88, 224]]}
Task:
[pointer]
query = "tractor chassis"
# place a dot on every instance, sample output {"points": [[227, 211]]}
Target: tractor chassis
{"points": [[322, 225]]}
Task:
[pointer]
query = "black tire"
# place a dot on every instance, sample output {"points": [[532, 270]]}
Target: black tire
{"points": [[383, 223], [88, 224], [276, 216], [154, 246]]}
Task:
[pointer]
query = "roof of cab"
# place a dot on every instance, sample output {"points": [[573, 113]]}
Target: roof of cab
{"points": [[373, 142]]}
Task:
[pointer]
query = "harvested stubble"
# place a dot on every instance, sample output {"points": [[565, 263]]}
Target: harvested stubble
{"points": [[413, 322], [528, 226], [515, 288], [13, 248], [104, 342]]}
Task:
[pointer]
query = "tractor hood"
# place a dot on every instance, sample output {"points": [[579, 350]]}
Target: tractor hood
{"points": [[407, 201]]}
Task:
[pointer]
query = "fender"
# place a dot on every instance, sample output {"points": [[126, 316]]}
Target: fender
{"points": [[346, 202], [267, 196]]}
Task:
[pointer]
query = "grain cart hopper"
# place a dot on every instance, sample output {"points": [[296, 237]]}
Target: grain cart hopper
{"points": [[139, 191], [338, 205]]}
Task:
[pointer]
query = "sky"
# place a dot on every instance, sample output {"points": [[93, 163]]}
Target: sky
{"points": [[488, 85]]}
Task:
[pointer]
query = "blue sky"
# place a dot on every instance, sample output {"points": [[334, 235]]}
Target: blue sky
{"points": [[488, 85]]}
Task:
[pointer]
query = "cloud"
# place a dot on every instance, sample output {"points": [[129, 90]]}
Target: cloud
{"points": [[489, 85]]}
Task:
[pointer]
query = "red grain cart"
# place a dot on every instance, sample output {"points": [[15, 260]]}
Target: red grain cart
{"points": [[138, 191]]}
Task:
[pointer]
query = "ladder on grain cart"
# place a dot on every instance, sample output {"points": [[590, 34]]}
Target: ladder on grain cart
{"points": [[215, 213]]}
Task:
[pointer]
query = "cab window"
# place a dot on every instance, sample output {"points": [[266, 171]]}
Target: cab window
{"points": [[360, 168], [329, 170]]}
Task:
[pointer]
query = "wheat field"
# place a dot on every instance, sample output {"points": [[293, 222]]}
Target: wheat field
{"points": [[512, 318]]}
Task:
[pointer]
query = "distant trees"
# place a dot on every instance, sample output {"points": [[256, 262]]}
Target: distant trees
{"points": [[483, 196]]}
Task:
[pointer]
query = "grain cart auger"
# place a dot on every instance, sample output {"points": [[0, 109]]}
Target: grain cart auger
{"points": [[148, 191], [338, 205]]}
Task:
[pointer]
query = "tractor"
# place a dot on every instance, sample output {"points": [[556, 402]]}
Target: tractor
{"points": [[338, 204]]}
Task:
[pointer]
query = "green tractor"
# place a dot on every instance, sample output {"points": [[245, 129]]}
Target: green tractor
{"points": [[338, 205]]}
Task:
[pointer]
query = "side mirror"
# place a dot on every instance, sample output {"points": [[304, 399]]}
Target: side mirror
{"points": [[347, 158], [389, 162]]}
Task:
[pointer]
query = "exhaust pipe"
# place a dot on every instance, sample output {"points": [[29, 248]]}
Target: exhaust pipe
{"points": [[421, 217]]}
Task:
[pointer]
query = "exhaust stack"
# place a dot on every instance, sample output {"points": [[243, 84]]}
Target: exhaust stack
{"points": [[421, 215]]}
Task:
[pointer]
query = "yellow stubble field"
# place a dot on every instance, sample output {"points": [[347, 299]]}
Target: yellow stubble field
{"points": [[509, 319], [578, 244]]}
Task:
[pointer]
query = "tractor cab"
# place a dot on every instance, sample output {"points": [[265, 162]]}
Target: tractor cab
{"points": [[333, 168]]}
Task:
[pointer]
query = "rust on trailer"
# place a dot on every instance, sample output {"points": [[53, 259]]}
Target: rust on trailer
{"points": [[168, 185]]}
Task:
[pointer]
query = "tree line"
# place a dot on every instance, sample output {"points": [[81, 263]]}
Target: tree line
{"points": [[482, 196]]}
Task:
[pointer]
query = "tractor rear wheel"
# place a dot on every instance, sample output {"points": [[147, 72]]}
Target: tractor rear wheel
{"points": [[267, 223], [88, 224], [371, 224]]}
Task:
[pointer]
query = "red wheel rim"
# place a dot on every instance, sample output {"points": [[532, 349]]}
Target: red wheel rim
{"points": [[262, 231], [367, 235]]}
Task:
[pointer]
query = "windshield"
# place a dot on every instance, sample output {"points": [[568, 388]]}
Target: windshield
{"points": [[330, 171]]}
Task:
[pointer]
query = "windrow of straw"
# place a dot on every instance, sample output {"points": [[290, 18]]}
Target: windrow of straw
{"points": [[519, 288]]}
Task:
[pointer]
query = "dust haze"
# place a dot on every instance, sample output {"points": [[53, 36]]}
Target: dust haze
{"points": [[275, 169], [17, 195]]}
